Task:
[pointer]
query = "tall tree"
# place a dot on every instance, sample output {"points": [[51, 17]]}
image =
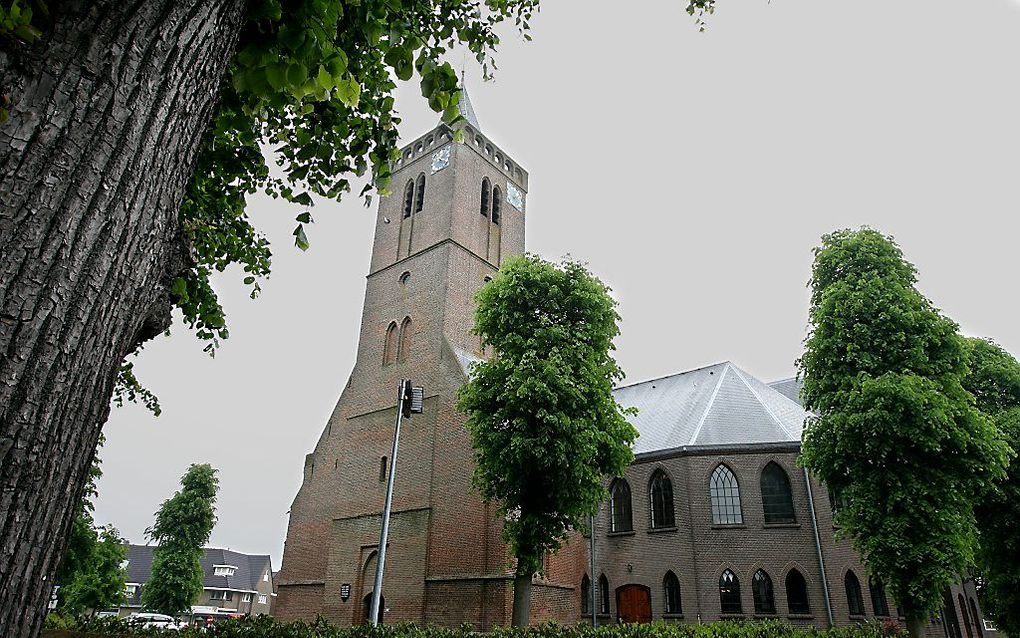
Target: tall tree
{"points": [[541, 414], [994, 380], [897, 437], [90, 576], [130, 135], [183, 525]]}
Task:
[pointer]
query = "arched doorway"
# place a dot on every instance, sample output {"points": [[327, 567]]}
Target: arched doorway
{"points": [[634, 603], [366, 608]]}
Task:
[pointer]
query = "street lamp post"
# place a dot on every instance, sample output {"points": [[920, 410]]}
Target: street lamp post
{"points": [[410, 400]]}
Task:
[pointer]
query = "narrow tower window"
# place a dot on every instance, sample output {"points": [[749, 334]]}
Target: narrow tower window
{"points": [[390, 345], [585, 595], [497, 204], [404, 349], [486, 193], [603, 594], [382, 469], [408, 197], [421, 194]]}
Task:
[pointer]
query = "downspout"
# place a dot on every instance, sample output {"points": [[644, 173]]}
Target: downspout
{"points": [[818, 546]]}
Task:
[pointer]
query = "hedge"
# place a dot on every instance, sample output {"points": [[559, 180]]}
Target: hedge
{"points": [[266, 627]]}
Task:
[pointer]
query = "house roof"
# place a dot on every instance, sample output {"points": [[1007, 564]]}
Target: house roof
{"points": [[250, 567], [790, 388], [715, 405]]}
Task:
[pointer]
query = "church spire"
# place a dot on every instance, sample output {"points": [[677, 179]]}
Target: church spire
{"points": [[465, 108]]}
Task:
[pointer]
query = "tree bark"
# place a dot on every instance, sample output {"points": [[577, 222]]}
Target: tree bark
{"points": [[108, 112], [521, 615]]}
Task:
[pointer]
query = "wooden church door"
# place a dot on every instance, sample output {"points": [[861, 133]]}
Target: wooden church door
{"points": [[634, 604]]}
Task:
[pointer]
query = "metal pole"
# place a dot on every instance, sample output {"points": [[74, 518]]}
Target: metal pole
{"points": [[373, 614], [818, 546], [594, 603]]}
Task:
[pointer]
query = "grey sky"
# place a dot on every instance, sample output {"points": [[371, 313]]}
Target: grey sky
{"points": [[693, 172]]}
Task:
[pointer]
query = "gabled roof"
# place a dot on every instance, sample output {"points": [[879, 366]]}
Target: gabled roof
{"points": [[790, 388], [250, 567], [716, 405]]}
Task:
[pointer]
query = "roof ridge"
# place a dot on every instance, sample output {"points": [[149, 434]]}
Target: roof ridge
{"points": [[674, 374], [711, 402], [782, 426]]}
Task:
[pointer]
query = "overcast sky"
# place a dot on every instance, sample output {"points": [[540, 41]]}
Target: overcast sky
{"points": [[693, 172]]}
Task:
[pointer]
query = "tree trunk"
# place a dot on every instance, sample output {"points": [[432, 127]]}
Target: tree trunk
{"points": [[521, 616], [915, 627], [107, 114]]}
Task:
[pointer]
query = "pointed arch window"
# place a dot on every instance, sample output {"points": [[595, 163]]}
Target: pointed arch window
{"points": [[420, 199], [725, 495], [408, 198], [796, 593], [660, 494], [854, 600], [603, 594], [497, 204], [878, 600], [729, 593], [585, 595], [976, 617], [761, 589], [671, 594], [776, 497], [486, 195], [404, 349], [390, 345], [965, 614], [619, 507]]}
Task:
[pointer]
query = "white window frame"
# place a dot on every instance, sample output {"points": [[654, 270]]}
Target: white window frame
{"points": [[246, 598], [224, 570], [263, 599]]}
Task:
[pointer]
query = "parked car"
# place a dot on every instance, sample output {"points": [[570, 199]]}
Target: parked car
{"points": [[146, 620]]}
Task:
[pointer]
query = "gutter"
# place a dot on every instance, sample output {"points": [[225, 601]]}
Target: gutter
{"points": [[818, 546]]}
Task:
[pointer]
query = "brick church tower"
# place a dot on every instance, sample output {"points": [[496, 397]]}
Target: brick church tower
{"points": [[457, 210]]}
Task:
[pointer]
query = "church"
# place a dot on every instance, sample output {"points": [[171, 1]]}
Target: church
{"points": [[713, 520]]}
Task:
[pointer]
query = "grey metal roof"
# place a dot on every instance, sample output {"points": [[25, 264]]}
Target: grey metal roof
{"points": [[719, 404], [250, 567], [790, 388], [464, 360], [466, 110]]}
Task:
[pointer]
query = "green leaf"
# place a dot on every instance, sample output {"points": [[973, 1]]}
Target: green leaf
{"points": [[300, 240], [324, 79], [276, 75], [297, 74], [348, 91], [305, 217]]}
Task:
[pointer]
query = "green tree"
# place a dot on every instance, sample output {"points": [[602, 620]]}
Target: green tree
{"points": [[897, 437], [90, 577], [994, 380], [182, 528], [130, 136], [545, 427]]}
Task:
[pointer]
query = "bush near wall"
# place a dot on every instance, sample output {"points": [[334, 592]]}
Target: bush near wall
{"points": [[266, 627]]}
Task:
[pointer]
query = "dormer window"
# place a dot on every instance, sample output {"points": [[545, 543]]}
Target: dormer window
{"points": [[224, 570]]}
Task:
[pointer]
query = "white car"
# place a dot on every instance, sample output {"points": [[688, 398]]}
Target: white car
{"points": [[154, 621]]}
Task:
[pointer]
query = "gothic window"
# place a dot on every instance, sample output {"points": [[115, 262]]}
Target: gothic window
{"points": [[603, 594], [497, 204], [854, 600], [976, 618], [404, 349], [382, 469], [725, 495], [421, 193], [585, 595], [619, 507], [660, 492], [390, 346], [965, 614], [761, 589], [878, 602], [796, 593], [671, 594], [486, 194], [776, 498], [729, 593], [949, 614], [408, 198]]}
